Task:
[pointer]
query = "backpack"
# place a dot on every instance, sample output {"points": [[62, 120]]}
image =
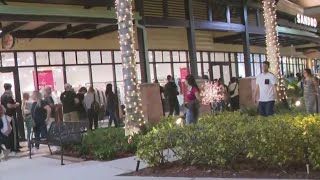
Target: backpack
{"points": [[95, 106]]}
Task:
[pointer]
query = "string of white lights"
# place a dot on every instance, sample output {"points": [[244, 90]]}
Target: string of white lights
{"points": [[134, 113], [273, 52]]}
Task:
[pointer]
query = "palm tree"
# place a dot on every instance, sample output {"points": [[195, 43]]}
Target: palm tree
{"points": [[273, 53], [134, 114]]}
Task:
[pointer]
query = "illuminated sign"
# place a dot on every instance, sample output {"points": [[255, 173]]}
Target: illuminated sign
{"points": [[307, 21]]}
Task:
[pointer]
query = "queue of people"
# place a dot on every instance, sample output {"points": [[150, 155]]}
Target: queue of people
{"points": [[39, 112]]}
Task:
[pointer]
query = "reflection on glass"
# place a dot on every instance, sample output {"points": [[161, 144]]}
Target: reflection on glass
{"points": [[212, 57], [199, 69], [102, 75], [241, 70], [175, 56], [7, 59], [70, 57], [25, 59], [163, 70], [177, 67], [56, 58], [166, 56], [226, 74], [82, 57], [206, 69], [158, 56], [78, 76], [234, 71], [216, 72], [106, 57], [117, 57], [95, 57], [26, 78], [205, 57], [42, 58], [183, 56], [219, 57]]}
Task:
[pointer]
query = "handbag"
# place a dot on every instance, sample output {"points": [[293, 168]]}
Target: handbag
{"points": [[6, 130], [232, 92]]}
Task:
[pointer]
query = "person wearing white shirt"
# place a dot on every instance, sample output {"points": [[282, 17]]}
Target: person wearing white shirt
{"points": [[266, 91]]}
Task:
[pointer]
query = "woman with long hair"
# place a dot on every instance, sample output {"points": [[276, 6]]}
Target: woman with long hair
{"points": [[40, 113], [112, 105], [310, 91], [91, 103], [26, 113], [192, 100]]}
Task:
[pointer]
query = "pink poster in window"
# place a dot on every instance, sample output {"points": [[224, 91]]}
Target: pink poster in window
{"points": [[183, 75], [45, 78]]}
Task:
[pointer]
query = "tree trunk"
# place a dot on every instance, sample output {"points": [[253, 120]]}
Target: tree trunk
{"points": [[134, 115], [273, 53]]}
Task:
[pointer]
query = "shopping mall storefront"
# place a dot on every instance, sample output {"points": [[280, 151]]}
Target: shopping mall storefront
{"points": [[61, 42]]}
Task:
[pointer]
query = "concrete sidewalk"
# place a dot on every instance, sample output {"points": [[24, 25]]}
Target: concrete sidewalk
{"points": [[44, 168]]}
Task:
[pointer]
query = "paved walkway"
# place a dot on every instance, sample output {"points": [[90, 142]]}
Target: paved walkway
{"points": [[43, 167]]}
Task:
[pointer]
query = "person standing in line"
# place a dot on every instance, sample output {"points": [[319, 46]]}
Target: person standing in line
{"points": [[5, 128], [310, 91], [233, 90], [171, 93], [80, 107], [112, 105], [266, 91], [26, 114], [69, 102], [91, 104], [192, 100], [49, 100], [11, 111], [40, 112]]}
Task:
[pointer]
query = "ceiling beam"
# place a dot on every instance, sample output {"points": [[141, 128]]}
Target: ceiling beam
{"points": [[102, 31], [46, 28], [71, 30], [92, 3], [13, 27]]}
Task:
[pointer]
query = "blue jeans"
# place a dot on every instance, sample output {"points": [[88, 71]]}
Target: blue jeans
{"points": [[191, 116], [266, 108], [40, 131], [113, 117]]}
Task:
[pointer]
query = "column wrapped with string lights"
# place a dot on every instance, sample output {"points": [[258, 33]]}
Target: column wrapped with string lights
{"points": [[273, 52], [134, 114]]}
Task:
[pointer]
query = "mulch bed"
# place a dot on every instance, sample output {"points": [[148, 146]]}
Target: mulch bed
{"points": [[178, 170]]}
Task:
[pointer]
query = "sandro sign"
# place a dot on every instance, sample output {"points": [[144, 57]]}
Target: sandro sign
{"points": [[307, 21]]}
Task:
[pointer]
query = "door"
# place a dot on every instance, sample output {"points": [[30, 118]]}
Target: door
{"points": [[10, 75], [219, 70]]}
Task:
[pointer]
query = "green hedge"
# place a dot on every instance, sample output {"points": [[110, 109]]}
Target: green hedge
{"points": [[226, 139], [105, 144]]}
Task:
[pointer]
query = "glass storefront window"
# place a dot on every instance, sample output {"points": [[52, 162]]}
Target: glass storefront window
{"points": [[95, 57], [241, 70], [212, 57], [199, 69], [177, 67], [117, 57], [198, 57], [183, 56], [151, 72], [26, 77], [120, 87], [25, 59], [219, 57], [166, 56], [70, 57], [226, 57], [82, 57], [42, 58], [158, 56], [137, 56], [151, 58], [163, 70], [56, 58], [78, 76], [7, 59], [175, 56], [106, 57], [52, 76], [205, 57], [206, 69], [101, 76], [233, 68]]}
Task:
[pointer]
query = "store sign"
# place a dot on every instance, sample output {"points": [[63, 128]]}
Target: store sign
{"points": [[45, 78], [307, 21]]}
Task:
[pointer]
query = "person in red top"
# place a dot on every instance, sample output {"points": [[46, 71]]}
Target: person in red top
{"points": [[192, 100]]}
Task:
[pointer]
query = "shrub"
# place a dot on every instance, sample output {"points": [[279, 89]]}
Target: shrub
{"points": [[105, 144], [226, 139]]}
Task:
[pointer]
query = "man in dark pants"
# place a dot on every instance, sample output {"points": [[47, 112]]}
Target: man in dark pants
{"points": [[11, 111], [171, 93], [266, 91]]}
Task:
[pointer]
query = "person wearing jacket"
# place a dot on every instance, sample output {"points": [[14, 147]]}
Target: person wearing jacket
{"points": [[112, 104]]}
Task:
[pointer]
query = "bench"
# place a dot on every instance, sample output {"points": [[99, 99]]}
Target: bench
{"points": [[62, 133]]}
